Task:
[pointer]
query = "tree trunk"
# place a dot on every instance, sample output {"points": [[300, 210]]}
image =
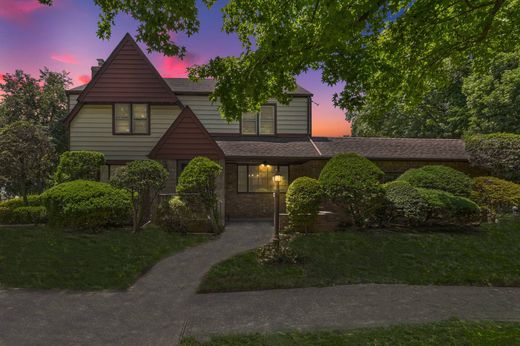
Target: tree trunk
{"points": [[24, 194]]}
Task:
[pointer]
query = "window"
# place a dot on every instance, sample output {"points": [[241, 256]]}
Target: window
{"points": [[131, 119], [261, 123], [259, 178]]}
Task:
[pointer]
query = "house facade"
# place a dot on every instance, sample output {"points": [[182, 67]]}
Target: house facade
{"points": [[129, 112]]}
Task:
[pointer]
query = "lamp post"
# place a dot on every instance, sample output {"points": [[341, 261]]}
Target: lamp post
{"points": [[277, 178]]}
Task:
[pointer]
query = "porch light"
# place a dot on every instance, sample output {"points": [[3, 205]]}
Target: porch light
{"points": [[277, 178]]}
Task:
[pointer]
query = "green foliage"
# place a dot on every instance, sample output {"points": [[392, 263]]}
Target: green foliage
{"points": [[75, 165], [495, 196], [302, 202], [26, 156], [175, 215], [83, 204], [277, 251], [41, 101], [446, 208], [23, 215], [197, 187], [32, 200], [142, 179], [404, 203], [499, 153], [352, 182], [389, 50], [440, 178]]}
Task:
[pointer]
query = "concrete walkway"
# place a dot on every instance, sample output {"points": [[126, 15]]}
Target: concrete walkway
{"points": [[163, 305]]}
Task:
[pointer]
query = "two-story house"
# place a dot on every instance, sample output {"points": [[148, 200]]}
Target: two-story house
{"points": [[129, 112]]}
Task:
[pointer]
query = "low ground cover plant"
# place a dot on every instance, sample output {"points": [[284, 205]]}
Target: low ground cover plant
{"points": [[439, 177], [84, 204]]}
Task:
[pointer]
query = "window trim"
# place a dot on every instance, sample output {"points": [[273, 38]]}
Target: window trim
{"points": [[275, 120], [247, 176], [131, 133]]}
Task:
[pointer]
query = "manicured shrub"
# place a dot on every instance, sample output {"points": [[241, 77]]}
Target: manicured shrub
{"points": [[143, 179], [404, 204], [352, 182], [499, 153], [33, 200], [197, 188], [75, 165], [23, 215], [303, 202], [439, 178], [495, 196], [175, 216], [83, 204], [444, 207]]}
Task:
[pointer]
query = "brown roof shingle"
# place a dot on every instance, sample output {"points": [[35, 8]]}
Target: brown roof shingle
{"points": [[267, 147]]}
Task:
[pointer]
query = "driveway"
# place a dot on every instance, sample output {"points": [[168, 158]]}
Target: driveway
{"points": [[162, 306]]}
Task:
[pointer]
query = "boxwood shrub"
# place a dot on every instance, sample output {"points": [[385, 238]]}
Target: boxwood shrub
{"points": [[80, 164], [13, 211], [439, 177], [352, 182], [495, 196], [404, 204], [303, 202], [444, 207], [83, 204]]}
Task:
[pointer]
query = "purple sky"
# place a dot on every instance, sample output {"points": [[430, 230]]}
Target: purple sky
{"points": [[63, 37]]}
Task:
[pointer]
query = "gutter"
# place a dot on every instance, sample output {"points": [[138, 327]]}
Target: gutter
{"points": [[315, 146]]}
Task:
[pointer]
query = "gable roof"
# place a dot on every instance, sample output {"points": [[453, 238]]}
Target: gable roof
{"points": [[126, 76], [185, 139], [201, 87]]}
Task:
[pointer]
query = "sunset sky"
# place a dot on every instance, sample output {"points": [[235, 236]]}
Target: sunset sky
{"points": [[63, 37]]}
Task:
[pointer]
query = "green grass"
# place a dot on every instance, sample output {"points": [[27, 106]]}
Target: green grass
{"points": [[45, 258], [486, 257], [442, 333]]}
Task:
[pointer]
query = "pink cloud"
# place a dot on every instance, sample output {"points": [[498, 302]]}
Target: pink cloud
{"points": [[175, 67], [84, 79], [17, 10], [65, 58]]}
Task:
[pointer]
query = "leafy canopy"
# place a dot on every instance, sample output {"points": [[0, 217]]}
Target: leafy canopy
{"points": [[81, 164], [391, 50]]}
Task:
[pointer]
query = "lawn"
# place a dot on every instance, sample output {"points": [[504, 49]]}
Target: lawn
{"points": [[442, 333], [488, 256], [46, 258]]}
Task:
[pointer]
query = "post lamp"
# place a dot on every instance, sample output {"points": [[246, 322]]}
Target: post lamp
{"points": [[277, 178]]}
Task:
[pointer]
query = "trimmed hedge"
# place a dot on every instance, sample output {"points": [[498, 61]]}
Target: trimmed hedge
{"points": [[404, 204], [83, 204], [352, 182], [13, 211], [76, 165], [439, 177], [495, 196], [499, 153], [303, 202], [444, 207]]}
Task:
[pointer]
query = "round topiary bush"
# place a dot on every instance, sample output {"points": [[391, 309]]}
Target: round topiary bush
{"points": [[352, 182], [404, 204], [83, 204], [444, 207], [439, 178], [495, 196], [303, 202], [76, 165]]}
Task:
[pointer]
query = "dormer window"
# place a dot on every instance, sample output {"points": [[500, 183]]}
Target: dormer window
{"points": [[131, 119], [261, 123]]}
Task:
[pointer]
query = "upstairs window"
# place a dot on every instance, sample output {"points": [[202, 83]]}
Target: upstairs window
{"points": [[131, 119], [260, 123]]}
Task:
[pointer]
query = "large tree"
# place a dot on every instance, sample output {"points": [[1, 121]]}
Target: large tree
{"points": [[26, 153], [41, 101], [392, 50]]}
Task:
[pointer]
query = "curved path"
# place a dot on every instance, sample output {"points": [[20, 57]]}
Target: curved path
{"points": [[163, 305]]}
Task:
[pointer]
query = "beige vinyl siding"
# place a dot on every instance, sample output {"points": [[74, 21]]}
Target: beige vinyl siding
{"points": [[291, 118], [208, 114], [91, 129], [73, 99]]}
